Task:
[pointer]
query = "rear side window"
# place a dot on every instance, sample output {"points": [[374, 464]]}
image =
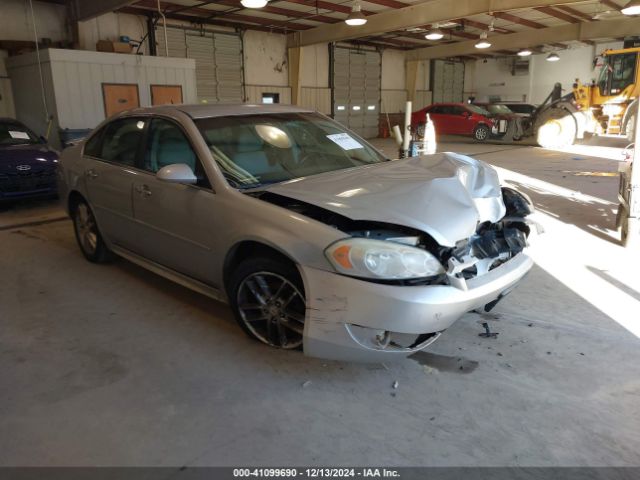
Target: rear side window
{"points": [[121, 141], [94, 145]]}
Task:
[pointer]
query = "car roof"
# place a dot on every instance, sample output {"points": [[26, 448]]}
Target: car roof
{"points": [[221, 110]]}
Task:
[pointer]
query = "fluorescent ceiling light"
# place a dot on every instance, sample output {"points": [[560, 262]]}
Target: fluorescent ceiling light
{"points": [[553, 57], [434, 34], [632, 8], [356, 17], [525, 52], [483, 42], [254, 3]]}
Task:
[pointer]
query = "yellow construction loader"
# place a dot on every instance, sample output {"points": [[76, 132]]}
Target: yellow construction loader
{"points": [[607, 106]]}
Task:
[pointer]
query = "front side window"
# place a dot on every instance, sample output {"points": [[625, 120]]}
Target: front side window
{"points": [[618, 72], [167, 145], [121, 141], [255, 150], [15, 133]]}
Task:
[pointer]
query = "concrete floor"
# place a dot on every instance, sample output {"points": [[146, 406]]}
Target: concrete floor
{"points": [[112, 365]]}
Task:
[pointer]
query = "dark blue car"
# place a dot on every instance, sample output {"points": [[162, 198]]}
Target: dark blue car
{"points": [[27, 163]]}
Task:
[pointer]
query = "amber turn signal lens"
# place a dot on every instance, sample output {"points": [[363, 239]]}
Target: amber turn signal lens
{"points": [[341, 256]]}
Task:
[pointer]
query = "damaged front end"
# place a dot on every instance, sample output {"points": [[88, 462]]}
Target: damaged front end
{"points": [[360, 312]]}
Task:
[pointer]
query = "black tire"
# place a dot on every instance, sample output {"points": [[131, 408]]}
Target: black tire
{"points": [[268, 301], [88, 235], [556, 128], [481, 133]]}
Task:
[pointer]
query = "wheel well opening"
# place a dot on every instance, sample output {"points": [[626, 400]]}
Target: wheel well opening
{"points": [[74, 199], [251, 249]]}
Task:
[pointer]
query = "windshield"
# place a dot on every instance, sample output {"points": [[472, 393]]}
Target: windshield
{"points": [[14, 133], [255, 150], [477, 109], [500, 109]]}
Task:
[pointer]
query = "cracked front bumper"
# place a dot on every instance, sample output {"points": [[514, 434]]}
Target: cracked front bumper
{"points": [[347, 318]]}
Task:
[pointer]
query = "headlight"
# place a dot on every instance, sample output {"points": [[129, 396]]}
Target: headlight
{"points": [[362, 257]]}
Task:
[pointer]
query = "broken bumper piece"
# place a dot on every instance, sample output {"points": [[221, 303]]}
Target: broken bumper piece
{"points": [[354, 320]]}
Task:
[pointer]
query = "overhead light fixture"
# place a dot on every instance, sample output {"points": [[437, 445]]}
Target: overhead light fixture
{"points": [[434, 34], [525, 52], [632, 8], [254, 3], [553, 57], [483, 42], [356, 17]]}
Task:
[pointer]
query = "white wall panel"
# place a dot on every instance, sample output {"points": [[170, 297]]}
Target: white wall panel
{"points": [[73, 84], [317, 99], [393, 101]]}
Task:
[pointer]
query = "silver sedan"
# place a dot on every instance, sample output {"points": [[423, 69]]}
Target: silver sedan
{"points": [[314, 238]]}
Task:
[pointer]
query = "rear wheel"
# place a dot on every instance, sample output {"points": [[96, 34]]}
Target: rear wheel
{"points": [[87, 234], [268, 301], [556, 128], [481, 133]]}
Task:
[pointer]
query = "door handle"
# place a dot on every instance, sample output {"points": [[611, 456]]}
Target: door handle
{"points": [[143, 190], [91, 173]]}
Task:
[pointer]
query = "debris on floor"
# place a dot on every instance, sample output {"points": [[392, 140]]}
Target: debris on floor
{"points": [[395, 385], [306, 384], [487, 332]]}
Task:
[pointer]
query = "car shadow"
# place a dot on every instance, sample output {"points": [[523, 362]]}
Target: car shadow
{"points": [[589, 216]]}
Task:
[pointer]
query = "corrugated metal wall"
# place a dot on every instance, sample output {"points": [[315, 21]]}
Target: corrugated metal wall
{"points": [[356, 83], [218, 57], [447, 81]]}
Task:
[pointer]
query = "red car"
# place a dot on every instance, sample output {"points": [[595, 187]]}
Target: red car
{"points": [[460, 119]]}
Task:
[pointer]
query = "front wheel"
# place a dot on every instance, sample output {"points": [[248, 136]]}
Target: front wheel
{"points": [[630, 128], [556, 128], [268, 301], [481, 133], [87, 234]]}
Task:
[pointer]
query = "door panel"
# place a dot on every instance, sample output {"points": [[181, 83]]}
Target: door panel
{"points": [[119, 97], [109, 176], [166, 94], [175, 223]]}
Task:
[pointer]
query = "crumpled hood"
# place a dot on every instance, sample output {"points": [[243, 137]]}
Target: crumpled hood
{"points": [[445, 195]]}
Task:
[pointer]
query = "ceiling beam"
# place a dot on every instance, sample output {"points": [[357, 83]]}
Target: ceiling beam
{"points": [[200, 14], [575, 13], [558, 14], [612, 4], [531, 38], [87, 10], [520, 21], [335, 7], [412, 16]]}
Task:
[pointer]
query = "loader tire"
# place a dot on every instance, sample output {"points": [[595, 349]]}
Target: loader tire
{"points": [[556, 128]]}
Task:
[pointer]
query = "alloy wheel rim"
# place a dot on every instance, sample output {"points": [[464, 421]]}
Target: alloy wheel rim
{"points": [[273, 309], [481, 134], [86, 228]]}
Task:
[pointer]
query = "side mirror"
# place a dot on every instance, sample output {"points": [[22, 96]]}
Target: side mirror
{"points": [[177, 173], [466, 114], [43, 139]]}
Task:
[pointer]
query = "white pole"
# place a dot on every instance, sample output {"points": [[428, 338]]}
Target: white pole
{"points": [[633, 219], [397, 134], [407, 127]]}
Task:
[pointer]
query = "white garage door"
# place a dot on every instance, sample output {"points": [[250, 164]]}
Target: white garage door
{"points": [[218, 59], [447, 81], [356, 89]]}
